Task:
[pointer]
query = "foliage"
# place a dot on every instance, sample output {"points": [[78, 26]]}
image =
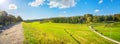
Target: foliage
{"points": [[87, 18], [19, 19], [6, 19]]}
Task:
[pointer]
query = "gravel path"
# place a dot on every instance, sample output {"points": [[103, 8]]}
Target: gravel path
{"points": [[13, 35], [117, 42]]}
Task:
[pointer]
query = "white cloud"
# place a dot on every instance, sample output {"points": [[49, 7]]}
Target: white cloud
{"points": [[12, 6], [61, 3], [36, 3], [97, 10], [100, 1]]}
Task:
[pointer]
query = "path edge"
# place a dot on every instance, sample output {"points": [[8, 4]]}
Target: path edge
{"points": [[112, 40]]}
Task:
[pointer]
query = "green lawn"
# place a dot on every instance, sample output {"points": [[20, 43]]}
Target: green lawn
{"points": [[109, 31], [60, 33]]}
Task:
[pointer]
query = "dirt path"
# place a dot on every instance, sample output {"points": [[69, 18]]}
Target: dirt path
{"points": [[13, 35], [117, 42]]}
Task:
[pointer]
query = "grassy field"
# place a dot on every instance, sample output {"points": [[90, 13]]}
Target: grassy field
{"points": [[60, 33], [111, 30]]}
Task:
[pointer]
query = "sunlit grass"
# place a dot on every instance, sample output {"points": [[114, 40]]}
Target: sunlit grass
{"points": [[109, 31], [54, 33]]}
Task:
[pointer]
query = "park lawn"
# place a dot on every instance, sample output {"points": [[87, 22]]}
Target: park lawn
{"points": [[109, 31], [54, 33]]}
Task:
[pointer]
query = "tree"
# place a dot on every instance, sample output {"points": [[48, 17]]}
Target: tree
{"points": [[19, 19], [113, 18], [12, 19], [106, 18], [81, 20], [87, 16], [3, 19], [89, 19], [101, 18], [117, 16], [96, 19], [6, 19]]}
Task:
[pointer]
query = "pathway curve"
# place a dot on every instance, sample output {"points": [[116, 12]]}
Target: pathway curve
{"points": [[117, 42], [13, 35]]}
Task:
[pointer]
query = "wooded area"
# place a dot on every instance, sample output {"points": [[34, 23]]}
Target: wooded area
{"points": [[87, 18], [7, 19]]}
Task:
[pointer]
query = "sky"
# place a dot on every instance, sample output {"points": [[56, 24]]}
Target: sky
{"points": [[38, 9]]}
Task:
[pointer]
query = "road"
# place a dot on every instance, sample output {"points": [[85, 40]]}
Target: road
{"points": [[13, 35], [117, 42]]}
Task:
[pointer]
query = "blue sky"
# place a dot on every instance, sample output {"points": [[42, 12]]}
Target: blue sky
{"points": [[37, 9]]}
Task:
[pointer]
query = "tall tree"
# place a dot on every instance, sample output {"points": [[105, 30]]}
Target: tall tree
{"points": [[96, 19], [117, 16], [19, 19], [88, 18]]}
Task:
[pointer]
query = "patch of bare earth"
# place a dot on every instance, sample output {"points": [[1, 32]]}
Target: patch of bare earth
{"points": [[13, 35]]}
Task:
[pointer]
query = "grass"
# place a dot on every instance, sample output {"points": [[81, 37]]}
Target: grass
{"points": [[60, 33], [111, 31]]}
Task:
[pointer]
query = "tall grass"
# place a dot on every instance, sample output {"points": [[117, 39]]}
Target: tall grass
{"points": [[111, 30], [54, 33]]}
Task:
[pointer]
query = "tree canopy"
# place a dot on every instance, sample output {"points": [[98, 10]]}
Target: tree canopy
{"points": [[87, 18], [6, 19]]}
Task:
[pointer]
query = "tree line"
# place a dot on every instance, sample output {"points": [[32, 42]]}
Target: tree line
{"points": [[7, 19], [87, 18]]}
